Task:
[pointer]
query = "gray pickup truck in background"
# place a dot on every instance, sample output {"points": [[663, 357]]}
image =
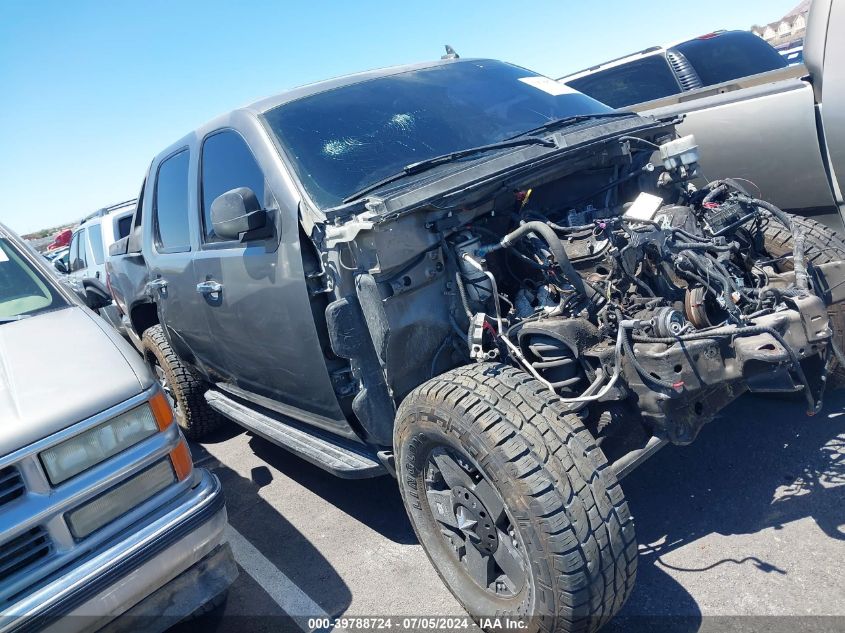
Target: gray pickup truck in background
{"points": [[474, 278], [782, 129]]}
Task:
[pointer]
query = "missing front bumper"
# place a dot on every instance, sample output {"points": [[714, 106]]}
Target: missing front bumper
{"points": [[709, 373]]}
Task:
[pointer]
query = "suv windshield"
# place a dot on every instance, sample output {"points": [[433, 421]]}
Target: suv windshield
{"points": [[344, 139], [24, 291]]}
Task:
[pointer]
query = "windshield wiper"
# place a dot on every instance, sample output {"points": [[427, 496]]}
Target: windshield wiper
{"points": [[555, 124], [17, 317], [424, 165]]}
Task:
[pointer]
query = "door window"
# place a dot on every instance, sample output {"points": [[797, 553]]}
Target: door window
{"points": [[227, 163], [171, 204], [73, 253], [78, 259], [122, 226], [95, 237]]}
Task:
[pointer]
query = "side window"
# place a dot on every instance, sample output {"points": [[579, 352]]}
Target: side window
{"points": [[95, 236], [635, 82], [122, 227], [227, 163], [74, 251], [170, 206], [77, 252]]}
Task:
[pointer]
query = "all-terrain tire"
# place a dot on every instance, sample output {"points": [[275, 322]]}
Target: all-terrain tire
{"points": [[193, 414], [821, 245], [568, 508]]}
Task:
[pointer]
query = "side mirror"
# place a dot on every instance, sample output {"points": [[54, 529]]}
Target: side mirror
{"points": [[119, 247], [237, 215], [96, 295], [59, 265]]}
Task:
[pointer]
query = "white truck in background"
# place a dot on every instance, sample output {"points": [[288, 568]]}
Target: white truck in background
{"points": [[783, 130]]}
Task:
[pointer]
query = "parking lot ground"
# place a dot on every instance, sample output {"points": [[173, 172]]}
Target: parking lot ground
{"points": [[736, 531]]}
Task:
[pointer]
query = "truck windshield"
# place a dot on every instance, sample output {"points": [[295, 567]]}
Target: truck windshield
{"points": [[24, 291], [344, 139]]}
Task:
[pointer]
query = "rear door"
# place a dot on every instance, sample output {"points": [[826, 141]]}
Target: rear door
{"points": [[171, 283], [266, 348]]}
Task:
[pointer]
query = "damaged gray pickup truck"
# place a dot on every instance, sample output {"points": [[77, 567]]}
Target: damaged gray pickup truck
{"points": [[485, 283]]}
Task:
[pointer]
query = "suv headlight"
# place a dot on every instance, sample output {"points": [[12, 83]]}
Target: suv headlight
{"points": [[83, 451]]}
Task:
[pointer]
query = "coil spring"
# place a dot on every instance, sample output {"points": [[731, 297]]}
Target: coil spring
{"points": [[554, 361]]}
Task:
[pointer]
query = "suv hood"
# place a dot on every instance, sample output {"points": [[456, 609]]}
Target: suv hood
{"points": [[59, 368]]}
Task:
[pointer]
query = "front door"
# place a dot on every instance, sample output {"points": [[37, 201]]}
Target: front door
{"points": [[265, 342]]}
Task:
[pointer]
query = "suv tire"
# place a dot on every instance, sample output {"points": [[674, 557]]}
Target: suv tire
{"points": [[486, 444], [186, 393], [821, 245]]}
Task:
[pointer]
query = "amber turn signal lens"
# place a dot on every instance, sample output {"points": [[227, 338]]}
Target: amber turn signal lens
{"points": [[181, 458], [161, 410]]}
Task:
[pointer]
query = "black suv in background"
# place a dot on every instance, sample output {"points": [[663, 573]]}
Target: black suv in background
{"points": [[658, 72]]}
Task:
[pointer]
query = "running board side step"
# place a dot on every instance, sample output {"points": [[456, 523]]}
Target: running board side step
{"points": [[333, 455]]}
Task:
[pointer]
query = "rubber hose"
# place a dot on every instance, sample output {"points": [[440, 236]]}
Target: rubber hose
{"points": [[715, 192], [702, 246], [632, 358], [781, 215], [463, 294], [555, 246]]}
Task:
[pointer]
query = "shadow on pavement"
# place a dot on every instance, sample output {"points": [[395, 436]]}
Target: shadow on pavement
{"points": [[374, 502], [763, 463], [262, 525], [760, 465]]}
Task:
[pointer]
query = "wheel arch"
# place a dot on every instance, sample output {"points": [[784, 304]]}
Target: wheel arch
{"points": [[143, 316]]}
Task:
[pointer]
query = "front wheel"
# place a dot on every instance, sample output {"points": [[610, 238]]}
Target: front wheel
{"points": [[513, 502]]}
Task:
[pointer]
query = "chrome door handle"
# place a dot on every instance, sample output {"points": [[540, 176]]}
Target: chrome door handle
{"points": [[209, 287], [157, 284]]}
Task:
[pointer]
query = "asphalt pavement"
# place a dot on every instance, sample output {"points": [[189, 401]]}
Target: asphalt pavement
{"points": [[742, 530]]}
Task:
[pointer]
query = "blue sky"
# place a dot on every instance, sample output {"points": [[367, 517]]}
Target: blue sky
{"points": [[91, 91]]}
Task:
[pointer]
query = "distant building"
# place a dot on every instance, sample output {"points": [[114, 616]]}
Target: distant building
{"points": [[789, 30]]}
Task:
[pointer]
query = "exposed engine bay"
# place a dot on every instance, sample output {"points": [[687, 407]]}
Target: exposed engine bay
{"points": [[619, 286]]}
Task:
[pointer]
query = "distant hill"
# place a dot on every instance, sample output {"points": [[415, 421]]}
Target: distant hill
{"points": [[48, 232], [40, 240]]}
